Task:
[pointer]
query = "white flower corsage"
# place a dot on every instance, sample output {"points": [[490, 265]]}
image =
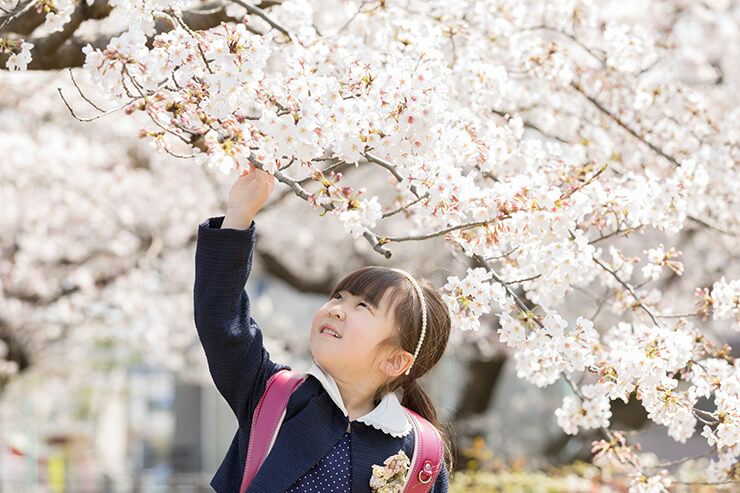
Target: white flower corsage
{"points": [[390, 478]]}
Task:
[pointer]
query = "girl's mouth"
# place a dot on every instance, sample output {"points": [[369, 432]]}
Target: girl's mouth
{"points": [[329, 331]]}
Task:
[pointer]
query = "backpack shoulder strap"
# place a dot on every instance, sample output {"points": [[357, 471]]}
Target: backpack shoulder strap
{"points": [[267, 419], [428, 456]]}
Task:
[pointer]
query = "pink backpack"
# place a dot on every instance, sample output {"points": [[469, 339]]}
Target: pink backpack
{"points": [[426, 461]]}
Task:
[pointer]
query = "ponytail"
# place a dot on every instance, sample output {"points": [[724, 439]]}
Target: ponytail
{"points": [[417, 399]]}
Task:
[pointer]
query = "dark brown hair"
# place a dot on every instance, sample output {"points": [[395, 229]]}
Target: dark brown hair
{"points": [[372, 284]]}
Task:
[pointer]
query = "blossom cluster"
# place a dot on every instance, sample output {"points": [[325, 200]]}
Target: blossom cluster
{"points": [[725, 298], [20, 54], [472, 297], [539, 139]]}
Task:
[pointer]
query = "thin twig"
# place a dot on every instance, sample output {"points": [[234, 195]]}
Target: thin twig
{"points": [[61, 95], [71, 76], [580, 43], [328, 169], [503, 255], [146, 104], [529, 124], [628, 288], [601, 304], [584, 184], [399, 239], [681, 461], [684, 315], [405, 207], [522, 307], [710, 226], [375, 159], [251, 9], [346, 24], [622, 124], [518, 281], [613, 233], [293, 184], [182, 24], [706, 482]]}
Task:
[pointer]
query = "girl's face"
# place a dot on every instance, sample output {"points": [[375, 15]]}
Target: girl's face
{"points": [[345, 333]]}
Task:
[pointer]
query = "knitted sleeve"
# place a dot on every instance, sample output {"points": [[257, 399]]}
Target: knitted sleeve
{"points": [[238, 362]]}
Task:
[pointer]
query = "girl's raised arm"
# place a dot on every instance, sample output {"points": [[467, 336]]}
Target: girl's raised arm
{"points": [[239, 364]]}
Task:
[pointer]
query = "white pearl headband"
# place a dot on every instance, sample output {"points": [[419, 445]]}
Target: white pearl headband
{"points": [[423, 313]]}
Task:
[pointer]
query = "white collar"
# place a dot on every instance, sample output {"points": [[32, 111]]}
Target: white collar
{"points": [[388, 416]]}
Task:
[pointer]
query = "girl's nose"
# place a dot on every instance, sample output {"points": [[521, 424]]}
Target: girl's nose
{"points": [[337, 312]]}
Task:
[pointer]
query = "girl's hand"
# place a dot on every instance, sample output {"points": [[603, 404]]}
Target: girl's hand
{"points": [[247, 196]]}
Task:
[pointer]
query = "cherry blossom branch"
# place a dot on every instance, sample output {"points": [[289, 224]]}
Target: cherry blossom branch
{"points": [[346, 24], [487, 174], [585, 183], [442, 232], [706, 482], [61, 95], [293, 184], [676, 462], [616, 232], [519, 281], [47, 55], [332, 167], [503, 255], [710, 226], [600, 304], [622, 124], [526, 311], [702, 420], [251, 9], [82, 94], [178, 20], [385, 164], [628, 288], [394, 171], [529, 124], [405, 207], [12, 15], [522, 307], [580, 43], [372, 238], [682, 315], [146, 104]]}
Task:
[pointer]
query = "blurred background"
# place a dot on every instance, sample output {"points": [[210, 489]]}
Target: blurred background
{"points": [[103, 383]]}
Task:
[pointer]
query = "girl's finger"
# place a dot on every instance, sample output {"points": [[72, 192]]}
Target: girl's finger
{"points": [[246, 171]]}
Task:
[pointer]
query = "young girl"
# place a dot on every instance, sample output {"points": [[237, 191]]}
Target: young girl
{"points": [[366, 342]]}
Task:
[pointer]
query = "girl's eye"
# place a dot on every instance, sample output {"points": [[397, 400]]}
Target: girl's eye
{"points": [[337, 296], [362, 303]]}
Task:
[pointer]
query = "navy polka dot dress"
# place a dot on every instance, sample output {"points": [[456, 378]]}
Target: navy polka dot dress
{"points": [[330, 475]]}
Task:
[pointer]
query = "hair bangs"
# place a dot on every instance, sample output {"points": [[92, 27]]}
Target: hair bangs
{"points": [[369, 283]]}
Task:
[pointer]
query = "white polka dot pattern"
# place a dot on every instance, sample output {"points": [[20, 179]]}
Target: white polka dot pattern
{"points": [[330, 475]]}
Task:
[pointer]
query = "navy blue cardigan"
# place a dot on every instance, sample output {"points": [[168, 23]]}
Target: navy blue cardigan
{"points": [[240, 366]]}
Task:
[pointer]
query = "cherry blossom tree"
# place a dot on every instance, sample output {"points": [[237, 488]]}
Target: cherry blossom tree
{"points": [[579, 158]]}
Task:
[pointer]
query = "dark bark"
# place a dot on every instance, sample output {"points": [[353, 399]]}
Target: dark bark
{"points": [[16, 351], [63, 49], [276, 268], [482, 377], [476, 398]]}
